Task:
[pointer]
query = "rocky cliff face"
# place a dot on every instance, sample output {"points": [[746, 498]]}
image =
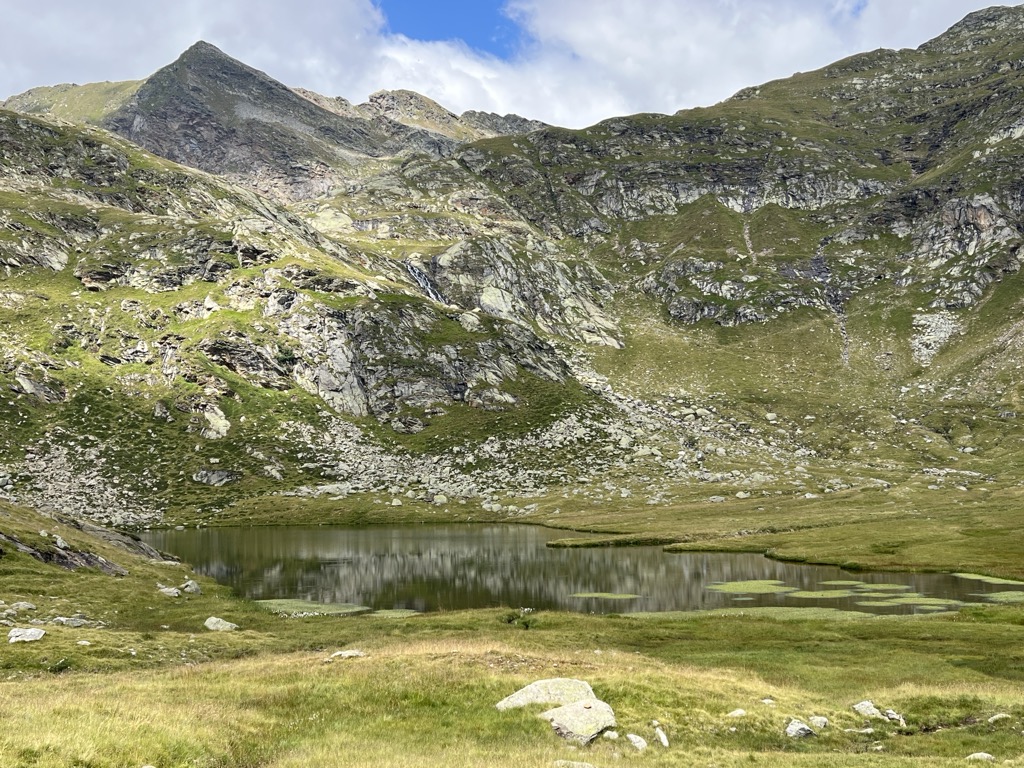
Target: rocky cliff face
{"points": [[801, 290]]}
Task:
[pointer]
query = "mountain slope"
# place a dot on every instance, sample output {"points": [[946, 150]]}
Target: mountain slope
{"points": [[812, 288]]}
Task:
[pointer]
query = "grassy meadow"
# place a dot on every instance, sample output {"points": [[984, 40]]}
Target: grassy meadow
{"points": [[151, 686]]}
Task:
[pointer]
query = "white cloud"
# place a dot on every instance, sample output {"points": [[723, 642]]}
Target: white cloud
{"points": [[583, 60]]}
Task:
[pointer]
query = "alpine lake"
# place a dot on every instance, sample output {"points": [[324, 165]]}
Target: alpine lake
{"points": [[427, 568]]}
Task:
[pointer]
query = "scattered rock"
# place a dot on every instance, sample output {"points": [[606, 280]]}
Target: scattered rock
{"points": [[571, 764], [611, 735], [637, 741], [818, 722], [170, 591], [216, 477], [191, 587], [22, 606], [662, 736], [998, 718], [583, 721], [895, 717], [25, 635], [984, 756], [219, 625], [737, 713], [557, 690], [353, 654], [868, 709], [798, 730]]}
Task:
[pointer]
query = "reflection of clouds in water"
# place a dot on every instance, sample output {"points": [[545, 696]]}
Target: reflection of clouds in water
{"points": [[453, 567]]}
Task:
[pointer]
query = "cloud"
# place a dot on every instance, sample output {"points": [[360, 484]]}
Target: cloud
{"points": [[580, 60]]}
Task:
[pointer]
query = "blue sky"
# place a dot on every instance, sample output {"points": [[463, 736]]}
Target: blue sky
{"points": [[481, 24], [567, 62]]}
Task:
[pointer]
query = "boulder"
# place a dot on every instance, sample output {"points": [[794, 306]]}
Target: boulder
{"points": [[191, 587], [582, 721], [556, 690], [982, 756], [798, 730], [170, 591], [219, 625], [25, 635], [818, 722]]}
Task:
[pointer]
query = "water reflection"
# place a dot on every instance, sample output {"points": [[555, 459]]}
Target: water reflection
{"points": [[430, 568]]}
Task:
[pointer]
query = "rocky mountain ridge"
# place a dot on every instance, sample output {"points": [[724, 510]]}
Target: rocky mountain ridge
{"points": [[813, 287]]}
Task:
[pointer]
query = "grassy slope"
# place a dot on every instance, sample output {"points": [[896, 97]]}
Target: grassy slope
{"points": [[154, 688]]}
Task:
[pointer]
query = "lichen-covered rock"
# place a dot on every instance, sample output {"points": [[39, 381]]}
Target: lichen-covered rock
{"points": [[558, 690], [582, 721]]}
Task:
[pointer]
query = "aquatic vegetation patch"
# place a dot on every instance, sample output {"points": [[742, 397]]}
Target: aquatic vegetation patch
{"points": [[605, 596], [311, 608], [988, 579], [753, 587], [1007, 598], [821, 594]]}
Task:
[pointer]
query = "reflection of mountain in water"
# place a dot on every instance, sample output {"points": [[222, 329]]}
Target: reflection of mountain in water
{"points": [[451, 567]]}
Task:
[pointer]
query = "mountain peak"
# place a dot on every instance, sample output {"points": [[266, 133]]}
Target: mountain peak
{"points": [[978, 29]]}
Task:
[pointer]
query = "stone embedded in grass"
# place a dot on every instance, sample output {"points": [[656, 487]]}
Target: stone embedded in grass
{"points": [[799, 730], [556, 690], [868, 709], [819, 722], [169, 591], [998, 718], [344, 655], [582, 721], [737, 713], [981, 756], [219, 625], [754, 587], [25, 635], [637, 741]]}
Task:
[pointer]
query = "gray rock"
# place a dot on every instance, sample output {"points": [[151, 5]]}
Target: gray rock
{"points": [[219, 625], [983, 756], [170, 591], [22, 606], [799, 730], [352, 654], [582, 721], [998, 718], [557, 690], [868, 709], [662, 736], [216, 477], [571, 764], [818, 722], [25, 635], [737, 713], [895, 717], [637, 741], [191, 587]]}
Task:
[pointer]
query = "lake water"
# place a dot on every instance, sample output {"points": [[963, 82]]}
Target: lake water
{"points": [[431, 568]]}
